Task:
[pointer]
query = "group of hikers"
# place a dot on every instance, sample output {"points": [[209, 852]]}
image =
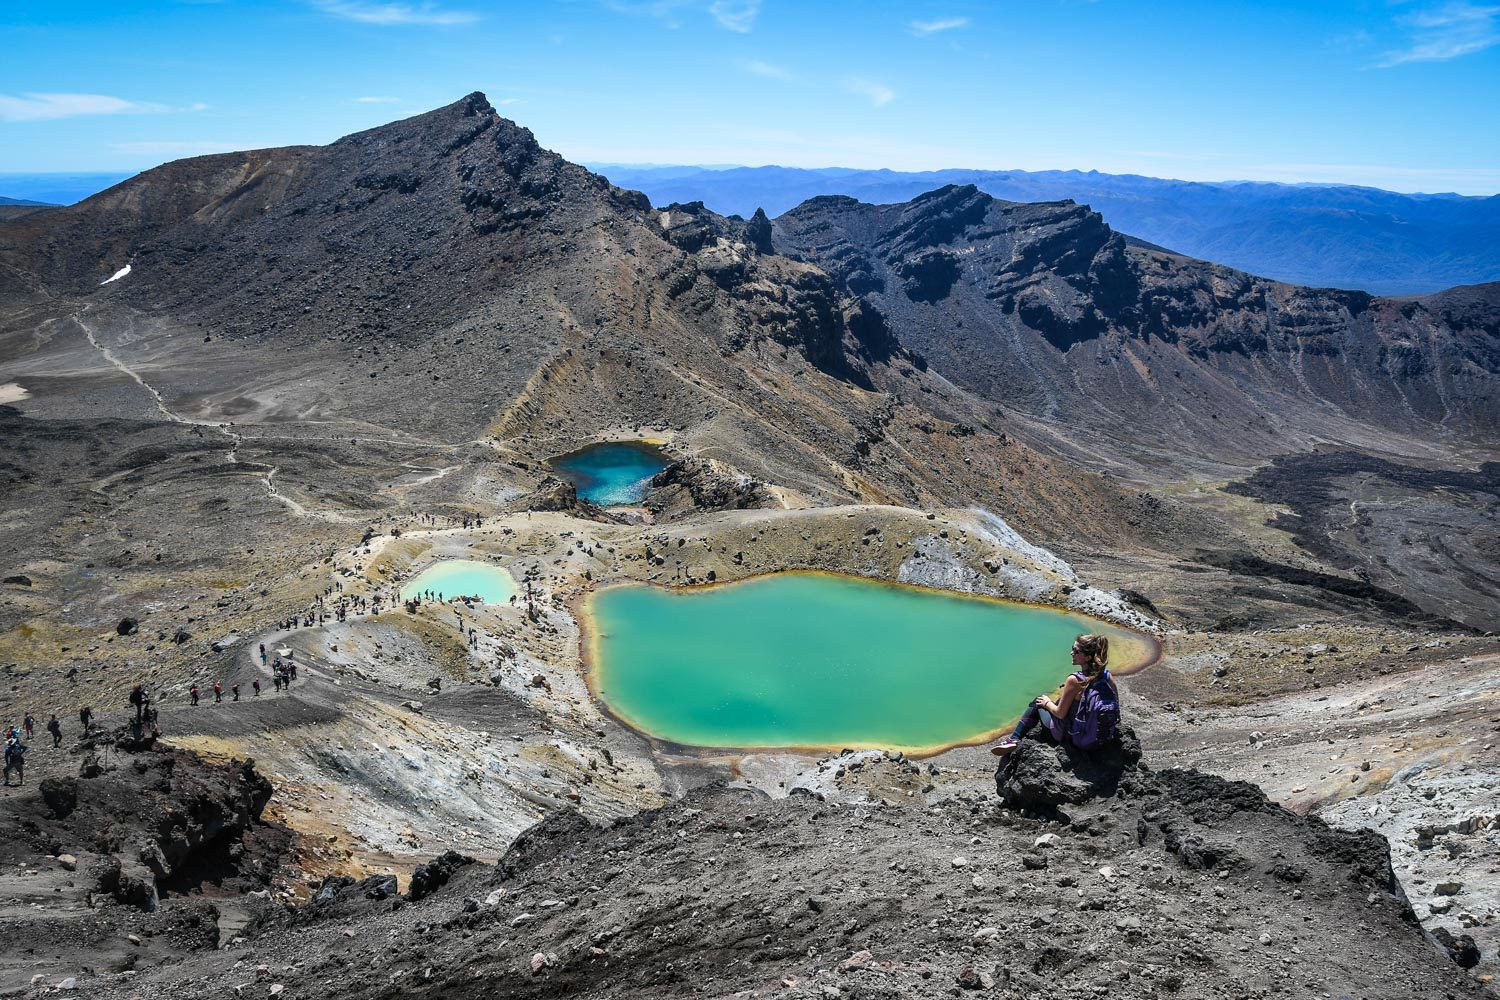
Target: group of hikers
{"points": [[468, 521], [323, 611], [17, 741]]}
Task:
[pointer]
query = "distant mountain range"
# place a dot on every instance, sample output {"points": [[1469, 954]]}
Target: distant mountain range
{"points": [[1335, 236]]}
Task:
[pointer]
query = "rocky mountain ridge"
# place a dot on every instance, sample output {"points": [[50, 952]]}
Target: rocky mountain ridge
{"points": [[1322, 235], [1044, 308]]}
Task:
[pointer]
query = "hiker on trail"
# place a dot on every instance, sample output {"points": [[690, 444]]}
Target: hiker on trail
{"points": [[263, 652], [287, 675], [29, 724], [291, 670], [193, 693], [256, 685], [85, 716], [235, 690], [276, 678], [1088, 711], [218, 693], [55, 728], [138, 701], [15, 758]]}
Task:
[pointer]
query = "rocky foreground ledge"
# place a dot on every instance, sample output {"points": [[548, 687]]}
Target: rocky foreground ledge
{"points": [[1170, 883]]}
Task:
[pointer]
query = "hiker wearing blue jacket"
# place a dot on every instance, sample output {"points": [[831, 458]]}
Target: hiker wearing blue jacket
{"points": [[1086, 714]]}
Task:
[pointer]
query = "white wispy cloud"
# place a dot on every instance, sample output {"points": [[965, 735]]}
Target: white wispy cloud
{"points": [[1447, 32], [370, 12], [768, 70], [509, 100], [878, 94], [36, 107], [932, 27], [377, 100], [173, 147], [736, 15]]}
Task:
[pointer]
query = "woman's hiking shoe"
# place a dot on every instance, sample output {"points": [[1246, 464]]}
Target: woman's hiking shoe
{"points": [[1005, 746]]}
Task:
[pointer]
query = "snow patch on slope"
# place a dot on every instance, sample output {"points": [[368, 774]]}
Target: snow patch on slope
{"points": [[117, 275]]}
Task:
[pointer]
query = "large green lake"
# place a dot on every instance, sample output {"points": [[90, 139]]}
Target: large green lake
{"points": [[820, 660]]}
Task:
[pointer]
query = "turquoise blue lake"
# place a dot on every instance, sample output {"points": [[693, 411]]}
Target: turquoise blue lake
{"points": [[613, 473]]}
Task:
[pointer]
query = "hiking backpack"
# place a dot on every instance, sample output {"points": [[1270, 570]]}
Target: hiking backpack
{"points": [[1096, 718]]}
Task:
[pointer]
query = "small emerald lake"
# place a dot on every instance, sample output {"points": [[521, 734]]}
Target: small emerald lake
{"points": [[827, 661], [612, 473], [462, 578]]}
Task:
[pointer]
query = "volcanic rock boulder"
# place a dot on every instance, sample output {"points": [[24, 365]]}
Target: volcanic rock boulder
{"points": [[1461, 948], [1040, 776], [436, 873], [61, 795]]}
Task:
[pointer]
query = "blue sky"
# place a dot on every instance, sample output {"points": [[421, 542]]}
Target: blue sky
{"points": [[1403, 95]]}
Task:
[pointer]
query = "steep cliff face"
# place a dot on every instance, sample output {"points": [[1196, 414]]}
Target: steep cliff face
{"points": [[1044, 308]]}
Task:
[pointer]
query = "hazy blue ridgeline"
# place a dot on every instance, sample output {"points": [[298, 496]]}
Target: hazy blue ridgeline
{"points": [[1335, 236], [55, 189]]}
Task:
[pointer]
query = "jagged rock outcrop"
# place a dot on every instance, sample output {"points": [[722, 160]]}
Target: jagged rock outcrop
{"points": [[158, 820], [696, 484], [435, 874]]}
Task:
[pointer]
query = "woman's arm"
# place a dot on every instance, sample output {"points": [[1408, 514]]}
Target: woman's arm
{"points": [[1059, 708]]}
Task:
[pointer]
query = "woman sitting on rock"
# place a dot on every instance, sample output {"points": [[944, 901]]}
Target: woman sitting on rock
{"points": [[1087, 713]]}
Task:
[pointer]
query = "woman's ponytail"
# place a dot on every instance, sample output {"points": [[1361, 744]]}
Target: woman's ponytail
{"points": [[1096, 648]]}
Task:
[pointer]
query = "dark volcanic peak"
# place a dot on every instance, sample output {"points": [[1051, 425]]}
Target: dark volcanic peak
{"points": [[423, 212]]}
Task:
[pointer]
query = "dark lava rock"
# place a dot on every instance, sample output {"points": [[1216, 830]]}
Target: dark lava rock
{"points": [[436, 873], [557, 494], [378, 887], [131, 889], [181, 636], [161, 819], [61, 795], [758, 232], [1462, 949], [706, 488], [1039, 775], [20, 580], [1136, 599], [128, 626], [930, 275], [330, 888]]}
